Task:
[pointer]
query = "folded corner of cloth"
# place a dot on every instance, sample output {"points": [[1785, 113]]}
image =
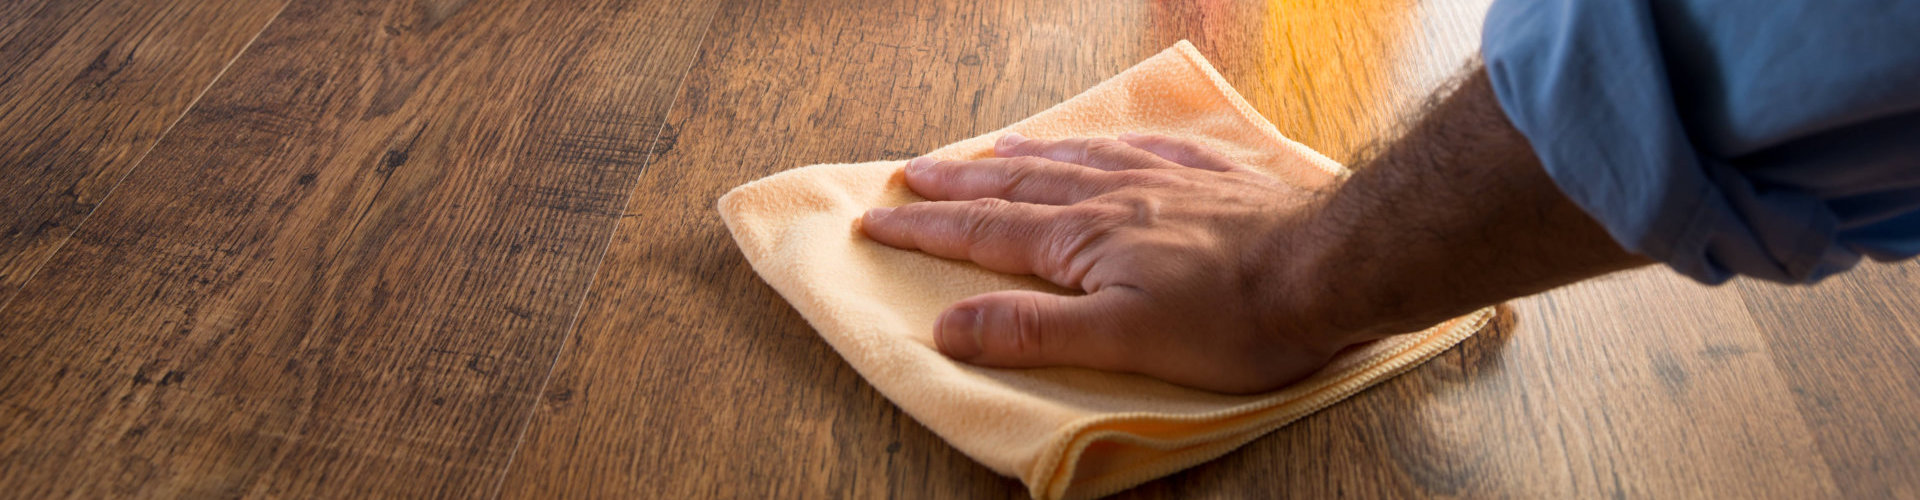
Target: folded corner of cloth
{"points": [[1065, 432]]}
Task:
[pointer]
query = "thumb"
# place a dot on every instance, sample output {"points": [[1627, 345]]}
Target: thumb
{"points": [[1024, 329]]}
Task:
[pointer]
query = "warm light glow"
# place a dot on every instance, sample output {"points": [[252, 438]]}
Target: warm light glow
{"points": [[1332, 74]]}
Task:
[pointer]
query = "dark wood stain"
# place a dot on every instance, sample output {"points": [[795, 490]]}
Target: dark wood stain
{"points": [[309, 279], [88, 87], [468, 249]]}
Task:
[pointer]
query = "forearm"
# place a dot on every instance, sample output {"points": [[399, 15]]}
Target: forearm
{"points": [[1455, 215]]}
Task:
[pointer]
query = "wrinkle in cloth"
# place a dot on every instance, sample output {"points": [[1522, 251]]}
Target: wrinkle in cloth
{"points": [[1064, 432]]}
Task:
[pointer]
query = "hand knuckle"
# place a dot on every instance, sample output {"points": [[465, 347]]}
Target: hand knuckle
{"points": [[1103, 146], [1020, 171], [983, 207], [1084, 227], [1133, 208], [1030, 335], [1099, 217], [980, 216]]}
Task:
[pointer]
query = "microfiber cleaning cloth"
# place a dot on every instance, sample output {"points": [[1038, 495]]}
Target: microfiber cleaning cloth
{"points": [[1065, 432]]}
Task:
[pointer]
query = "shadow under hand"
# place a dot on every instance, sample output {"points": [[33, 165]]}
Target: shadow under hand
{"points": [[1400, 438]]}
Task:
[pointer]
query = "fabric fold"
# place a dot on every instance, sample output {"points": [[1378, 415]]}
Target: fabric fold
{"points": [[1064, 432]]}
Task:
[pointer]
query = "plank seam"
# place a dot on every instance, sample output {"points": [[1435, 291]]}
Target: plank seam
{"points": [[142, 159], [573, 324]]}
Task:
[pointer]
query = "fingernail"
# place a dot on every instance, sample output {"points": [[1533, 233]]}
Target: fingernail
{"points": [[877, 213], [919, 165], [959, 335], [1011, 140]]}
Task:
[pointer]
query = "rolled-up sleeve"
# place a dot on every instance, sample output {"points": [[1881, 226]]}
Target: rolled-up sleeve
{"points": [[1778, 139]]}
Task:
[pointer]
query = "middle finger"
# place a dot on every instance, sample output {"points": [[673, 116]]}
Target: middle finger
{"points": [[1023, 179]]}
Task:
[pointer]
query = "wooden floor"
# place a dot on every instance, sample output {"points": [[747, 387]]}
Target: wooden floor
{"points": [[468, 249]]}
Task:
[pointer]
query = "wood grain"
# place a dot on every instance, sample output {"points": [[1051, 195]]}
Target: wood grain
{"points": [[1636, 385], [468, 249], [346, 272], [1849, 350], [688, 376], [786, 84], [88, 86]]}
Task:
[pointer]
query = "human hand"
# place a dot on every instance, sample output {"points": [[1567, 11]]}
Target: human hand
{"points": [[1206, 274], [1182, 255]]}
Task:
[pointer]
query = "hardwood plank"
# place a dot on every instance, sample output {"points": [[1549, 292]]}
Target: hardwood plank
{"points": [[346, 272], [689, 377], [1638, 385], [88, 87], [1849, 349]]}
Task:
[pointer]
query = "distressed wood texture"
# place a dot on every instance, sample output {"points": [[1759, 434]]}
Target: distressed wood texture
{"points": [[469, 249], [1641, 384], [1849, 350], [346, 271], [86, 88]]}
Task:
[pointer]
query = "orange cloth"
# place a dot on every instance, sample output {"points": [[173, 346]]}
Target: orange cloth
{"points": [[1065, 432]]}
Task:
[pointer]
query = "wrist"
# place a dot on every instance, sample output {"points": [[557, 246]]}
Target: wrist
{"points": [[1301, 292], [1333, 282]]}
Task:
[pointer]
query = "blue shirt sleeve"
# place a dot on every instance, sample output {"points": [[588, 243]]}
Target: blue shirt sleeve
{"points": [[1778, 139]]}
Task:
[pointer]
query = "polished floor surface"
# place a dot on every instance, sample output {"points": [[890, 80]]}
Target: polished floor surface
{"points": [[468, 249]]}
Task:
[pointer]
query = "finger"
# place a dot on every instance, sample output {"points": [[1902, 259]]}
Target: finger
{"points": [[1024, 179], [1025, 329], [1100, 153], [999, 235], [1181, 151]]}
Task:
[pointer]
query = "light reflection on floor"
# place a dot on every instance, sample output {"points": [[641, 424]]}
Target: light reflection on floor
{"points": [[1331, 74]]}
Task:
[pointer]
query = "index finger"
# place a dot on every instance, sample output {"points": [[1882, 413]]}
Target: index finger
{"points": [[1000, 235]]}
